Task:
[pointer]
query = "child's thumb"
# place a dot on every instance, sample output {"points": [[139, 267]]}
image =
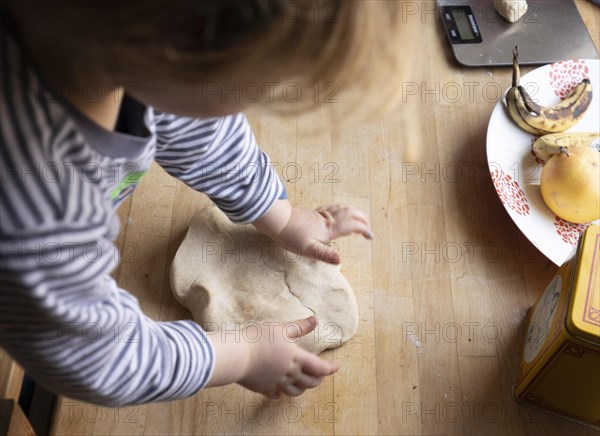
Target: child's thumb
{"points": [[301, 327], [326, 253]]}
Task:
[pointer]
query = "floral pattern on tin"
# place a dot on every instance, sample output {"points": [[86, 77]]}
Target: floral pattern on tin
{"points": [[566, 75], [509, 191], [568, 231]]}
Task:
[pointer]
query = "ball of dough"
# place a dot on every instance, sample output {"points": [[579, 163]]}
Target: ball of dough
{"points": [[512, 10], [229, 275]]}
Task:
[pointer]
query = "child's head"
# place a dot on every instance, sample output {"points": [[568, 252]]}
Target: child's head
{"points": [[207, 57]]}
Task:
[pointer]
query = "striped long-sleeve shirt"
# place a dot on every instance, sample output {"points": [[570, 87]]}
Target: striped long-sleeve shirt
{"points": [[62, 317]]}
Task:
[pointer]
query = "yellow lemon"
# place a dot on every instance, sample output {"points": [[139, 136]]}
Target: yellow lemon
{"points": [[570, 184]]}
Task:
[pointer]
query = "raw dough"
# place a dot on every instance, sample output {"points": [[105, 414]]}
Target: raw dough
{"points": [[228, 275], [512, 10]]}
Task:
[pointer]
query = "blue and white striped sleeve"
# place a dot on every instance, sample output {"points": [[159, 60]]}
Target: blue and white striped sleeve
{"points": [[62, 317], [90, 340], [219, 157], [65, 320]]}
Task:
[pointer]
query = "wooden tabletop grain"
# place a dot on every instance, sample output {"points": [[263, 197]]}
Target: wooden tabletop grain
{"points": [[442, 289]]}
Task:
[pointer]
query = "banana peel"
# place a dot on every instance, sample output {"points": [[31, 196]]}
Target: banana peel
{"points": [[543, 120]]}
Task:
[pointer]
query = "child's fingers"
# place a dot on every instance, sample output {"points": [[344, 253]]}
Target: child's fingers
{"points": [[344, 220], [359, 215], [273, 395], [342, 211], [313, 365], [348, 226], [293, 390], [306, 381], [329, 219]]}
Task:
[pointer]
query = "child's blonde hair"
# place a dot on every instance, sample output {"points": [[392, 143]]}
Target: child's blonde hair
{"points": [[351, 43]]}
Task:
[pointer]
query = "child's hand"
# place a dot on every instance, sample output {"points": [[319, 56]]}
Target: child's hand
{"points": [[309, 231], [276, 365]]}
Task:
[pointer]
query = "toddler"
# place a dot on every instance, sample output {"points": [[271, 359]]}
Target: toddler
{"points": [[91, 93]]}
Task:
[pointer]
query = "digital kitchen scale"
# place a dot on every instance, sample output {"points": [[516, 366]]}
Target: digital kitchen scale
{"points": [[550, 31]]}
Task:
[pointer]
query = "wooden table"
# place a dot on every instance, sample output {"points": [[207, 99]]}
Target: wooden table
{"points": [[443, 289], [12, 419]]}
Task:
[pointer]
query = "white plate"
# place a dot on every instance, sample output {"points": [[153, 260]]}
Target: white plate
{"points": [[515, 170]]}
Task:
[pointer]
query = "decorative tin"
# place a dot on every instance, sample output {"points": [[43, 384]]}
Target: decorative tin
{"points": [[559, 369]]}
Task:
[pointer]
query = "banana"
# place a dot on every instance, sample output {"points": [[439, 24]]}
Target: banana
{"points": [[541, 120], [546, 146]]}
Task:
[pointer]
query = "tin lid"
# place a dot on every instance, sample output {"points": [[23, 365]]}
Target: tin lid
{"points": [[583, 319]]}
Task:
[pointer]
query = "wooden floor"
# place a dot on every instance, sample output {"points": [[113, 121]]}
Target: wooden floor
{"points": [[442, 289]]}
